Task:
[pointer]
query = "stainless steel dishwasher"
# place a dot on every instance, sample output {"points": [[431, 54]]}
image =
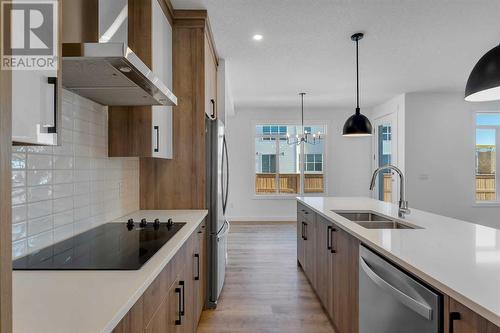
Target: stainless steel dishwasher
{"points": [[391, 301]]}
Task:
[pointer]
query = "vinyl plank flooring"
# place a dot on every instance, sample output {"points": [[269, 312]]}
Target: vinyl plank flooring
{"points": [[265, 291]]}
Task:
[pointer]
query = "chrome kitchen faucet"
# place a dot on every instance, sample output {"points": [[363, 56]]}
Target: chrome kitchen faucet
{"points": [[403, 204]]}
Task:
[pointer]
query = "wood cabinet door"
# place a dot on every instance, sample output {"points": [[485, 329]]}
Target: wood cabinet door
{"points": [[323, 246], [189, 285], [199, 274], [461, 319], [210, 80], [160, 321], [175, 320], [345, 281], [310, 251], [301, 249], [133, 320]]}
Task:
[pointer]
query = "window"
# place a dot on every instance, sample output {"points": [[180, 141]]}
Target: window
{"points": [[487, 132], [288, 169], [314, 162], [268, 163]]}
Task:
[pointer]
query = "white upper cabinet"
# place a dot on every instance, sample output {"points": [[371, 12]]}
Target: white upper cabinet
{"points": [[35, 90], [162, 66]]}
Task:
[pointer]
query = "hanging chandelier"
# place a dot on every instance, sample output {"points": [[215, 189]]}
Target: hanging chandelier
{"points": [[305, 136]]}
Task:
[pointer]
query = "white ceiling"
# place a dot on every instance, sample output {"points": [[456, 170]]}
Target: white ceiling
{"points": [[409, 45]]}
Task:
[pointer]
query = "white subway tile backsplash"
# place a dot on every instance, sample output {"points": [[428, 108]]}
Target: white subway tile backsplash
{"points": [[19, 248], [61, 191], [40, 225], [39, 193], [63, 232], [39, 177], [63, 162], [18, 195], [63, 218], [82, 188], [66, 135], [36, 161], [63, 176], [81, 176], [81, 213], [82, 225], [82, 150], [18, 231], [40, 149], [18, 178], [66, 149], [63, 204], [18, 160], [40, 241], [81, 200], [39, 209], [19, 213]]}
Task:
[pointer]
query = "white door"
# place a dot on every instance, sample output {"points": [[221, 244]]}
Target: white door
{"points": [[385, 152]]}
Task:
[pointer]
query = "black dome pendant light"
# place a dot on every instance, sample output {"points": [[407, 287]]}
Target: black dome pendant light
{"points": [[484, 80], [358, 124]]}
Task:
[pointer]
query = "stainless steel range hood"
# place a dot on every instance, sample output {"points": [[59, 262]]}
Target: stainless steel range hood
{"points": [[109, 72]]}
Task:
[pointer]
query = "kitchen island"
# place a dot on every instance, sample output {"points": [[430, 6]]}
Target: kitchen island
{"points": [[457, 258], [94, 301]]}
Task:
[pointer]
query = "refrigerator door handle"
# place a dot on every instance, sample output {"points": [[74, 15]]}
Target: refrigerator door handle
{"points": [[227, 173], [224, 230], [222, 177]]}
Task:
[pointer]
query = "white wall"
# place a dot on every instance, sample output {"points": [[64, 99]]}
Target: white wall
{"points": [[440, 136], [348, 162], [61, 191]]}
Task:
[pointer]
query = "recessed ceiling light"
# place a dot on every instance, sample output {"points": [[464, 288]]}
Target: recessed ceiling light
{"points": [[257, 37]]}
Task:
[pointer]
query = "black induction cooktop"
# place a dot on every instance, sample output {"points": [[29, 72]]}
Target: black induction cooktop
{"points": [[111, 246]]}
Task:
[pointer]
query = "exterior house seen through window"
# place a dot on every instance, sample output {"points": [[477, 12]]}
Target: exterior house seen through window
{"points": [[284, 169], [487, 134]]}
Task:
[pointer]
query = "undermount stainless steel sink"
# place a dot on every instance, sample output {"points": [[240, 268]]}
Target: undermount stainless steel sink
{"points": [[372, 220]]}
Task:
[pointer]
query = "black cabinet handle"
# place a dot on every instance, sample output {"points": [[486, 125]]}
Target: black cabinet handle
{"points": [[157, 134], [53, 80], [178, 321], [197, 257], [302, 230], [329, 238], [453, 317], [213, 108], [183, 286], [305, 231], [332, 250]]}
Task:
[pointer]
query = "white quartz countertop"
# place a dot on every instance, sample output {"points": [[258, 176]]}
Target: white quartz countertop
{"points": [[459, 258], [92, 301]]}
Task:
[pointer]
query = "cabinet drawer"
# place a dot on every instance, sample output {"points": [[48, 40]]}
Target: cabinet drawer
{"points": [[305, 212]]}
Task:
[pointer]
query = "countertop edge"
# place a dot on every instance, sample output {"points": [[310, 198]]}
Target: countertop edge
{"points": [[478, 308]]}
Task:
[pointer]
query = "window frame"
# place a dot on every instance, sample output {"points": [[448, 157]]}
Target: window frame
{"points": [[289, 196], [475, 127]]}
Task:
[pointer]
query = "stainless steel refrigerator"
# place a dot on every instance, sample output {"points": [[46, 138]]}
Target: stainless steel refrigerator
{"points": [[217, 162]]}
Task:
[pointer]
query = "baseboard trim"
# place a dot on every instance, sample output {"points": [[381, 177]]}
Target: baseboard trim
{"points": [[261, 218]]}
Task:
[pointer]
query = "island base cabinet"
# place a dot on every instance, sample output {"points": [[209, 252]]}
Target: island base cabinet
{"points": [[344, 276], [329, 257], [461, 319], [301, 248], [323, 261]]}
